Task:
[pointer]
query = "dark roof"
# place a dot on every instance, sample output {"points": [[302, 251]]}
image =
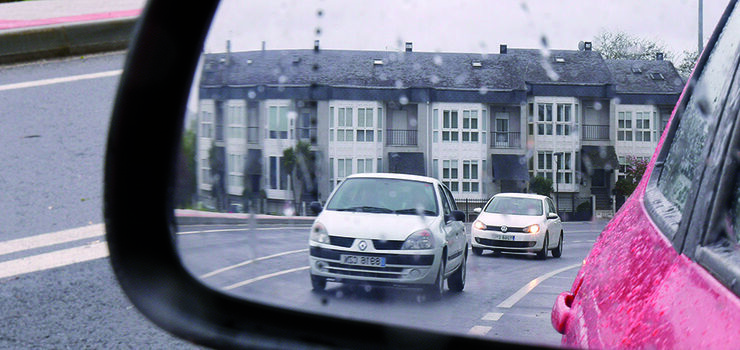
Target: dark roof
{"points": [[566, 66], [635, 76], [509, 167]]}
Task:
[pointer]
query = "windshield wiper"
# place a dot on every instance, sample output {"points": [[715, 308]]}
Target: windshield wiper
{"points": [[415, 211], [367, 209]]}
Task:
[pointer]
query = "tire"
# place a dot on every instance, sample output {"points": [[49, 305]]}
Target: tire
{"points": [[542, 254], [477, 251], [558, 251], [434, 292], [318, 283], [456, 282]]}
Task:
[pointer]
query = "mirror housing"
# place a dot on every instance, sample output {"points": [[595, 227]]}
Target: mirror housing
{"points": [[316, 207], [477, 210], [458, 215], [552, 216]]}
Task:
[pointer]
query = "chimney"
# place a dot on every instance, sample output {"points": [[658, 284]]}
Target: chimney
{"points": [[316, 46], [409, 46], [587, 46], [658, 56], [228, 52], [503, 49], [264, 45]]}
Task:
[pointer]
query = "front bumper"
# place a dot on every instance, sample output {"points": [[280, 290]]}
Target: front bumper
{"points": [[519, 242], [402, 268]]}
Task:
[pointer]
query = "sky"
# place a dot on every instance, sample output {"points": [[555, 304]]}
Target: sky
{"points": [[451, 26]]}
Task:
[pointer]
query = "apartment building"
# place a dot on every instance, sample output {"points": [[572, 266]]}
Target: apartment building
{"points": [[482, 124]]}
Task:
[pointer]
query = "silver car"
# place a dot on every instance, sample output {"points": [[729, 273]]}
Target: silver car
{"points": [[389, 230], [516, 222]]}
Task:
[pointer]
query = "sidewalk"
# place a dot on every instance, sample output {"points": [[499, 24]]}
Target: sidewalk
{"points": [[43, 29]]}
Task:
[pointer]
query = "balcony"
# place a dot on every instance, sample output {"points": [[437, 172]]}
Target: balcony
{"points": [[396, 137], [595, 132], [505, 139]]}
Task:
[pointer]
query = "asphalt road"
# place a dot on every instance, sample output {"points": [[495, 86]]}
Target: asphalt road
{"points": [[58, 290], [506, 298]]}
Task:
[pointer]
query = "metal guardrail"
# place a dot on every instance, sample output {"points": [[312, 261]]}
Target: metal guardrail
{"points": [[396, 137]]}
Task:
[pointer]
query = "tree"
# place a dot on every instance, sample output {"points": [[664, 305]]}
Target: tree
{"points": [[540, 185], [687, 63], [624, 46], [299, 161], [218, 186], [635, 169]]}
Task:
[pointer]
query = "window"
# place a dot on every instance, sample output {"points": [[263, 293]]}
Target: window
{"points": [[331, 124], [235, 167], [380, 124], [435, 125], [206, 124], [450, 175], [344, 168], [564, 167], [344, 124], [544, 118], [379, 165], [470, 181], [450, 126], [278, 122], [446, 207], [365, 131], [642, 126], [470, 123], [435, 169], [236, 120], [563, 119], [624, 126], [364, 165], [622, 173], [544, 165]]}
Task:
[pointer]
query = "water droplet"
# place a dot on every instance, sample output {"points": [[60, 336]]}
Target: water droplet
{"points": [[261, 88], [368, 289], [399, 84], [417, 66], [251, 94], [483, 90], [403, 100], [412, 122], [598, 106], [524, 7], [617, 101], [282, 79], [437, 60], [300, 104], [434, 79], [315, 67], [318, 31], [319, 13]]}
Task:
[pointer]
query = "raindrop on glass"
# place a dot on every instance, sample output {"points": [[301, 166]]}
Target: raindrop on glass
{"points": [[282, 79], [403, 100], [598, 106], [319, 13], [434, 79], [399, 84], [483, 90], [437, 60], [251, 94]]}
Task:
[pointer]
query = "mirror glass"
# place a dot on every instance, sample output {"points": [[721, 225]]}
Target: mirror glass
{"points": [[291, 98]]}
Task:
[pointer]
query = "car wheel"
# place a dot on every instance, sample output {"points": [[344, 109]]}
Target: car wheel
{"points": [[542, 254], [456, 282], [558, 251], [434, 292], [478, 251], [318, 283]]}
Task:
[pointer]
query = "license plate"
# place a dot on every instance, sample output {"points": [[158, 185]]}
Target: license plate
{"points": [[362, 260], [504, 237]]}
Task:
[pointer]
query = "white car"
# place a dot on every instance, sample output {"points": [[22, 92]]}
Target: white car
{"points": [[389, 230], [516, 222]]}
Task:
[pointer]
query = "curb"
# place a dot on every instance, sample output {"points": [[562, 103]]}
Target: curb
{"points": [[70, 39], [242, 219]]}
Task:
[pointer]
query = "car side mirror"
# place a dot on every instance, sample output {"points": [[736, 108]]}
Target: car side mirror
{"points": [[458, 215], [316, 207], [477, 210], [552, 216]]}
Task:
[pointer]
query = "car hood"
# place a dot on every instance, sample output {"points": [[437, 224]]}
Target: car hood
{"points": [[510, 220], [392, 227]]}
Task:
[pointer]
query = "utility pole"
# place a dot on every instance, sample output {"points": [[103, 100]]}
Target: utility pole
{"points": [[701, 26]]}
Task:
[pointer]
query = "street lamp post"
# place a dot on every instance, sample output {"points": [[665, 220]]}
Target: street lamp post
{"points": [[558, 158]]}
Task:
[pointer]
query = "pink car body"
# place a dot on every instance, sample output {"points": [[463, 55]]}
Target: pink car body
{"points": [[637, 289]]}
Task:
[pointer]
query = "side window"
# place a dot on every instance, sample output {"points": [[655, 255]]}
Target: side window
{"points": [[450, 198], [445, 201], [550, 206], [683, 162]]}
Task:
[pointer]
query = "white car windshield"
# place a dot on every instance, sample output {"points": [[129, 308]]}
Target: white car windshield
{"points": [[379, 195], [515, 206]]}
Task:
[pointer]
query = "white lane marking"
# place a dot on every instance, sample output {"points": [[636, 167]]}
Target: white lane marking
{"points": [[247, 262], [51, 81], [54, 259], [252, 280], [580, 231], [48, 239], [479, 330], [514, 298], [492, 316], [241, 229]]}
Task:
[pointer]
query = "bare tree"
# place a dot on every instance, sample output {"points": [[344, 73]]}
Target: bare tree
{"points": [[624, 46]]}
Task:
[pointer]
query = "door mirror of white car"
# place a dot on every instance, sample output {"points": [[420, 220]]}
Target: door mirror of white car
{"points": [[552, 216], [477, 210], [316, 207], [458, 215]]}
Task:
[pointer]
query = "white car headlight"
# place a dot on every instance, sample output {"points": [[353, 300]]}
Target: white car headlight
{"points": [[421, 239], [532, 229], [479, 225], [319, 233]]}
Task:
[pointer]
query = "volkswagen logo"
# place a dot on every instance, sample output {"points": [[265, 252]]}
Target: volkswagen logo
{"points": [[504, 228], [362, 245]]}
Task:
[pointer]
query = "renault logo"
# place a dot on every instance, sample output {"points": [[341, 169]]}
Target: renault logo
{"points": [[362, 245], [504, 228]]}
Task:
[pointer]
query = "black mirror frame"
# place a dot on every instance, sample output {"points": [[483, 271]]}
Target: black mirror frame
{"points": [[138, 207], [316, 207]]}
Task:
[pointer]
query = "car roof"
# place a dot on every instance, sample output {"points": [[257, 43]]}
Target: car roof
{"points": [[521, 195], [395, 176]]}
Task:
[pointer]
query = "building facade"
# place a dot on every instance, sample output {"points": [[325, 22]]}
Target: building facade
{"points": [[481, 124]]}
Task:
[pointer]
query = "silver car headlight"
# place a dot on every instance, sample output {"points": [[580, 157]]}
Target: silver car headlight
{"points": [[421, 239], [319, 233], [479, 225], [532, 229]]}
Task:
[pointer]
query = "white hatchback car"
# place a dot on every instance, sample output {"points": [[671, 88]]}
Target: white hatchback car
{"points": [[516, 222], [389, 230]]}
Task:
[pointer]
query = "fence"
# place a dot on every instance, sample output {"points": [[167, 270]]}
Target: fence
{"points": [[467, 206]]}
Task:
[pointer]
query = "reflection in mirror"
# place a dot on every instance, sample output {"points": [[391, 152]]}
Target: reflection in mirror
{"points": [[292, 98]]}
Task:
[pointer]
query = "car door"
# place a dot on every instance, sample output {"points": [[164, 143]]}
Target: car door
{"points": [[664, 272], [554, 226], [454, 230]]}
